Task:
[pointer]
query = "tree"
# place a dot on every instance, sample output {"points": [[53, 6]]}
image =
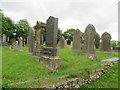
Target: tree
{"points": [[22, 29], [68, 35], [8, 26]]}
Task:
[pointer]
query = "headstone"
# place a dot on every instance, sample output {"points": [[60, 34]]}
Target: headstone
{"points": [[50, 57], [89, 42], [39, 29], [76, 46], [20, 44], [4, 42], [4, 38], [97, 40], [14, 45], [106, 43], [31, 41], [62, 42]]}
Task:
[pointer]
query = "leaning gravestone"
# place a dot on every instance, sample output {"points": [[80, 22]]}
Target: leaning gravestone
{"points": [[97, 40], [20, 44], [106, 43], [76, 46], [62, 42], [31, 41], [89, 44], [50, 57]]}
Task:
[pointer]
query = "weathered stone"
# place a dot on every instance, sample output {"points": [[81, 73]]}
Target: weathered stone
{"points": [[20, 44], [89, 42], [31, 41], [106, 43], [62, 42], [15, 45], [50, 58], [97, 40], [76, 46]]}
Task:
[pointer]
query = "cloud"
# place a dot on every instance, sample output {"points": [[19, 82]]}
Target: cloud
{"points": [[72, 14]]}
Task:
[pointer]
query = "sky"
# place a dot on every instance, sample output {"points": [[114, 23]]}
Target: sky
{"points": [[103, 14]]}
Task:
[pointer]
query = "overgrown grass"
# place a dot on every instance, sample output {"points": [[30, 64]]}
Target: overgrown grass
{"points": [[107, 80], [19, 67]]}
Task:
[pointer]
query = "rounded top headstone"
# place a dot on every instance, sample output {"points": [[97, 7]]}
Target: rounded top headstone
{"points": [[106, 34]]}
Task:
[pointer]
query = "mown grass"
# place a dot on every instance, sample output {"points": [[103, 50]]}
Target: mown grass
{"points": [[107, 80], [18, 66]]}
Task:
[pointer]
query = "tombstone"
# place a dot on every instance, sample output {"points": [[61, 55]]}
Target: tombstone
{"points": [[4, 43], [20, 44], [76, 46], [106, 43], [89, 42], [97, 40], [14, 45], [39, 29], [50, 53], [31, 41], [62, 43]]}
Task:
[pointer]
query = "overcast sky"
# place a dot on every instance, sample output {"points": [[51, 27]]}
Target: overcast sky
{"points": [[103, 14]]}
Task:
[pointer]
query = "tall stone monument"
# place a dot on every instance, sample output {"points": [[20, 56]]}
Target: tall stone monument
{"points": [[50, 57], [97, 40], [20, 44], [89, 42], [39, 29], [106, 43], [76, 46], [31, 41], [62, 43]]}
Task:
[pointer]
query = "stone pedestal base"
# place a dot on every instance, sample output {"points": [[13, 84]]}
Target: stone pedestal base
{"points": [[51, 62]]}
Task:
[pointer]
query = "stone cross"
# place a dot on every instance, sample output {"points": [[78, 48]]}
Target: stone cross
{"points": [[76, 46], [97, 40], [106, 42], [62, 42], [89, 42], [39, 29]]}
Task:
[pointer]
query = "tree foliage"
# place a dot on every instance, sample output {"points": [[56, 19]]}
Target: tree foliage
{"points": [[22, 28], [68, 35], [8, 26]]}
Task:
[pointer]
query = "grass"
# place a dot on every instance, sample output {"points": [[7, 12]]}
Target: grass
{"points": [[107, 80], [19, 67]]}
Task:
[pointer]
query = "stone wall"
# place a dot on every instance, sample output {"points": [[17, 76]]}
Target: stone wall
{"points": [[79, 81]]}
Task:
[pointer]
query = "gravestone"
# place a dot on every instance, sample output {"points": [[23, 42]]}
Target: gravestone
{"points": [[62, 42], [14, 45], [20, 44], [31, 41], [97, 40], [106, 43], [4, 42], [76, 46], [39, 29], [50, 57], [89, 42]]}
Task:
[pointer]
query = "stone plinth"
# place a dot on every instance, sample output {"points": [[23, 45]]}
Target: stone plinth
{"points": [[51, 62]]}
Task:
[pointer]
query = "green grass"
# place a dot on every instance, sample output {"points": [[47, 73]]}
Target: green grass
{"points": [[18, 66], [107, 80]]}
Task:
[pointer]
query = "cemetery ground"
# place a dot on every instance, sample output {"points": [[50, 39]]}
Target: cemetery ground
{"points": [[22, 70]]}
